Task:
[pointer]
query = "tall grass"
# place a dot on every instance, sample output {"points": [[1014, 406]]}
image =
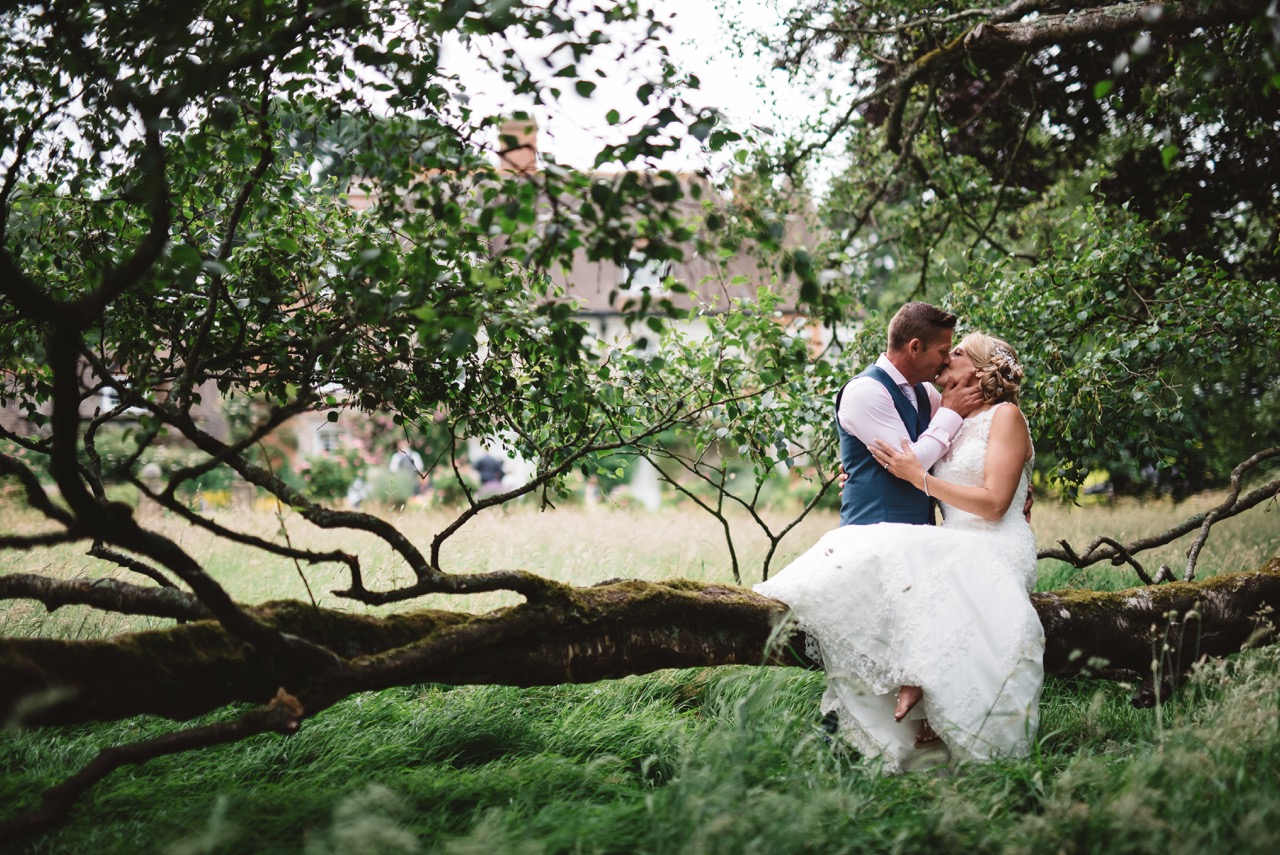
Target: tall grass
{"points": [[708, 760], [719, 761]]}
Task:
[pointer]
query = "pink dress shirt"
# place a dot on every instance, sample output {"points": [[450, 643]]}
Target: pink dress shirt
{"points": [[867, 412]]}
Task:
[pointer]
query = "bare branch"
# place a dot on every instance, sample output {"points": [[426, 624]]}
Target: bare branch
{"points": [[312, 512], [1085, 24], [1002, 13], [695, 469], [280, 413], [282, 715], [1235, 505], [1122, 556], [106, 594], [1225, 507], [106, 553]]}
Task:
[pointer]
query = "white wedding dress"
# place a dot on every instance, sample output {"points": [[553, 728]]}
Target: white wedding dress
{"points": [[942, 607]]}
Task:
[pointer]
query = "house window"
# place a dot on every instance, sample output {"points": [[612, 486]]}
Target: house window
{"points": [[645, 274], [329, 438], [109, 399]]}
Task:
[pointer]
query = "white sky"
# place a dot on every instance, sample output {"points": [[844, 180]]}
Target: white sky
{"points": [[745, 89]]}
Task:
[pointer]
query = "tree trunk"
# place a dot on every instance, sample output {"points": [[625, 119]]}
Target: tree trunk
{"points": [[604, 632], [1106, 21]]}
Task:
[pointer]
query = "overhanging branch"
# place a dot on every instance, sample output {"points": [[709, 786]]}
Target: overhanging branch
{"points": [[1080, 25]]}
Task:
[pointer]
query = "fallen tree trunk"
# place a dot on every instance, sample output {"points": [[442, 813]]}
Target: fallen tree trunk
{"points": [[604, 632], [1153, 635]]}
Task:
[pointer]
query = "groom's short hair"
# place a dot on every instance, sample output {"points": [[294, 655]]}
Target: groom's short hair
{"points": [[918, 320]]}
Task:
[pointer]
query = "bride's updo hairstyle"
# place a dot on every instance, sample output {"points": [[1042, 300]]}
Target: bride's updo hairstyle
{"points": [[996, 362]]}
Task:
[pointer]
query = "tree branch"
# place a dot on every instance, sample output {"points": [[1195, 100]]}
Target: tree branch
{"points": [[282, 715], [596, 633], [106, 553], [1236, 505], [1227, 507], [1080, 25], [170, 503], [106, 594]]}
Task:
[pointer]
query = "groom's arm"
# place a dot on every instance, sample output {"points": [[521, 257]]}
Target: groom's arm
{"points": [[867, 412]]}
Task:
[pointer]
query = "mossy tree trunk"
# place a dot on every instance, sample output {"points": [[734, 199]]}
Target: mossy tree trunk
{"points": [[590, 634]]}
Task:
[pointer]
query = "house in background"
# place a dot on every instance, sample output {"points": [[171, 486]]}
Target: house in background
{"points": [[14, 420], [713, 282], [599, 290], [207, 414]]}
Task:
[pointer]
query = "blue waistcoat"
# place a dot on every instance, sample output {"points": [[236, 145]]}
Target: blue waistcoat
{"points": [[872, 495]]}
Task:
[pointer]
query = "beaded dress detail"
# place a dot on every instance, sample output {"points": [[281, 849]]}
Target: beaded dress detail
{"points": [[942, 607]]}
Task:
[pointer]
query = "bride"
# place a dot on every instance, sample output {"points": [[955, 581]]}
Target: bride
{"points": [[927, 633]]}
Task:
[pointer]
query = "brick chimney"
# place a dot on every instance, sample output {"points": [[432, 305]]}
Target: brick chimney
{"points": [[518, 146]]}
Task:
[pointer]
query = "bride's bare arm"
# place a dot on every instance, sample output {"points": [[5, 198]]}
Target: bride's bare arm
{"points": [[1008, 448]]}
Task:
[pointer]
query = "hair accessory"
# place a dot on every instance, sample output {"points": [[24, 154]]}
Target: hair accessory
{"points": [[1009, 362]]}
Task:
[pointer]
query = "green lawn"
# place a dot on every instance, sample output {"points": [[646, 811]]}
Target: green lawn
{"points": [[711, 760], [724, 760]]}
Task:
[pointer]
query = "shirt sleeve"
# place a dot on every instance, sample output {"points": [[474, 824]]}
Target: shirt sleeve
{"points": [[867, 412]]}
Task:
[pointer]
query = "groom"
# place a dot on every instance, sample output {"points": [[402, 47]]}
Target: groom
{"points": [[893, 399]]}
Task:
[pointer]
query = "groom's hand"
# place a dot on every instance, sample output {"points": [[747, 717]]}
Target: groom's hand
{"points": [[963, 398]]}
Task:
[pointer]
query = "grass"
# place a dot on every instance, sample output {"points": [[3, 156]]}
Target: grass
{"points": [[710, 760], [724, 760]]}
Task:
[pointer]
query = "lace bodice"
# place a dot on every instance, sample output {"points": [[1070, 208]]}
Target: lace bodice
{"points": [[965, 463]]}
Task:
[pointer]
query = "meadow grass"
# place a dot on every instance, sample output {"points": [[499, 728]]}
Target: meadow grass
{"points": [[717, 760], [707, 760]]}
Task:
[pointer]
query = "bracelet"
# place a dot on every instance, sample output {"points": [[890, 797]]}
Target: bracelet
{"points": [[925, 484]]}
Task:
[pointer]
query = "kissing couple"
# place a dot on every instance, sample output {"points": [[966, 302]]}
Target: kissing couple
{"points": [[930, 644]]}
